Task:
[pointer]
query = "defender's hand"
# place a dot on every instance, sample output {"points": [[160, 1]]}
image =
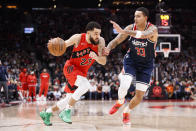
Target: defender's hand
{"points": [[117, 27], [105, 51], [93, 55]]}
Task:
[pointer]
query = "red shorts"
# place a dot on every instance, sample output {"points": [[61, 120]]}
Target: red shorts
{"points": [[19, 88], [24, 86], [70, 71]]}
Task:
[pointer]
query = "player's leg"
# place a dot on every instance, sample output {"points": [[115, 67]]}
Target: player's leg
{"points": [[133, 103], [83, 87], [34, 93], [25, 88], [125, 82], [60, 105], [41, 90], [46, 90], [30, 94], [142, 84], [20, 94]]}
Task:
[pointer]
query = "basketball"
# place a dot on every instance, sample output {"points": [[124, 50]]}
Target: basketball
{"points": [[56, 46]]}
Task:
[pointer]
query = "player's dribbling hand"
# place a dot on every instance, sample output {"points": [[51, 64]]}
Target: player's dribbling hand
{"points": [[105, 51], [93, 55], [116, 27], [52, 40]]}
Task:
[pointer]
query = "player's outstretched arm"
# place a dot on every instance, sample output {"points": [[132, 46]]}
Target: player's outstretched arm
{"points": [[150, 32], [116, 41], [99, 58]]}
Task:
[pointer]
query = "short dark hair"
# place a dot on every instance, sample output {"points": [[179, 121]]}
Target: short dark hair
{"points": [[144, 10], [91, 25]]}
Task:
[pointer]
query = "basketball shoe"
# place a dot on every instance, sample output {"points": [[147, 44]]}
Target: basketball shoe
{"points": [[126, 118], [46, 117], [65, 115], [115, 107]]}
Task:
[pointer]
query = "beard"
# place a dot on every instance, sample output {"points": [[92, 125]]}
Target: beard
{"points": [[93, 41]]}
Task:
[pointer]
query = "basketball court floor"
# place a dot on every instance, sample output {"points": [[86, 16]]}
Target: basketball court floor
{"points": [[93, 116]]}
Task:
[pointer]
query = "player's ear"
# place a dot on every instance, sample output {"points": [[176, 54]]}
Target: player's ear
{"points": [[146, 17], [88, 32]]}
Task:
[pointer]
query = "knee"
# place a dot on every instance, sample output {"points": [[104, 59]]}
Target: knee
{"points": [[139, 95], [125, 81]]}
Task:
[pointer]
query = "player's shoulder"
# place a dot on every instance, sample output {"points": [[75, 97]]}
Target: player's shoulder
{"points": [[152, 26], [102, 41], [77, 36], [129, 27]]}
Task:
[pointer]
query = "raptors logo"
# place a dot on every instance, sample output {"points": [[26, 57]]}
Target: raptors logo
{"points": [[70, 69], [157, 91]]}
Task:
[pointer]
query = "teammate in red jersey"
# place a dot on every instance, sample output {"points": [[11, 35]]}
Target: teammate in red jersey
{"points": [[32, 81], [19, 89], [44, 78], [23, 80], [87, 49]]}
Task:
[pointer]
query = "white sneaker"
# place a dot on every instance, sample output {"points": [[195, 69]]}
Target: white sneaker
{"points": [[44, 99], [38, 98]]}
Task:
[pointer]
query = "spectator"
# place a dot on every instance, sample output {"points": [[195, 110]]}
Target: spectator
{"points": [[106, 91], [93, 90]]}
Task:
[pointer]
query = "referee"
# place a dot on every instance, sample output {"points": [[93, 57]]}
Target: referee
{"points": [[3, 81]]}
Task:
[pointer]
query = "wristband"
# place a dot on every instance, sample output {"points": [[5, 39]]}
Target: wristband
{"points": [[138, 34]]}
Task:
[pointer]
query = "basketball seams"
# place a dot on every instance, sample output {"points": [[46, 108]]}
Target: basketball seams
{"points": [[57, 47]]}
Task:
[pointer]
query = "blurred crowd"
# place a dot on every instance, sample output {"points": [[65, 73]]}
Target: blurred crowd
{"points": [[20, 50]]}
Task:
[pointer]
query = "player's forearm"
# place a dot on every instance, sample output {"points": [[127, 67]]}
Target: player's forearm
{"points": [[141, 34], [101, 60], [138, 34], [129, 32], [112, 44]]}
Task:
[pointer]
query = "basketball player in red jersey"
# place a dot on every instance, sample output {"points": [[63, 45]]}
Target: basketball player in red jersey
{"points": [[137, 62], [23, 80], [32, 81], [87, 49], [44, 78]]}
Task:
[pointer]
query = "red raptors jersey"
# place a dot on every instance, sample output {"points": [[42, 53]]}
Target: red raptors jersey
{"points": [[31, 80], [80, 55], [23, 77], [44, 77]]}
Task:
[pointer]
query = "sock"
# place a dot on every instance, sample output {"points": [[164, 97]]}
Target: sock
{"points": [[68, 107], [20, 94], [49, 110], [127, 109], [121, 101]]}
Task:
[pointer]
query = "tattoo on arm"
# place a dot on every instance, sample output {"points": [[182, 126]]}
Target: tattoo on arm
{"points": [[145, 34], [101, 46], [116, 41], [119, 38], [149, 32]]}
